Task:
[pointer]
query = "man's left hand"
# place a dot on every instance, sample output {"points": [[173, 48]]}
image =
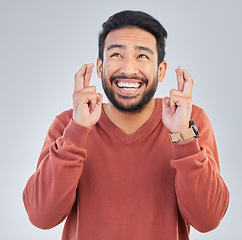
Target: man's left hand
{"points": [[178, 107]]}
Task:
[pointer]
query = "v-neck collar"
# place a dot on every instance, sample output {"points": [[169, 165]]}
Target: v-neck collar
{"points": [[145, 129]]}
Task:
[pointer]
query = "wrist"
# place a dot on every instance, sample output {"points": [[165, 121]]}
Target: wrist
{"points": [[75, 134], [185, 136], [84, 124]]}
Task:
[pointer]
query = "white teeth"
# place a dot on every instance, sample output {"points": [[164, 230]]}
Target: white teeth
{"points": [[128, 88], [128, 85]]}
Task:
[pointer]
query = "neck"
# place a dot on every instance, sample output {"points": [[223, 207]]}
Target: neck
{"points": [[129, 122]]}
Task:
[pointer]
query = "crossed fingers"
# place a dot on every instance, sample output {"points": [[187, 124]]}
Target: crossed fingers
{"points": [[184, 81], [182, 96], [83, 77], [86, 93]]}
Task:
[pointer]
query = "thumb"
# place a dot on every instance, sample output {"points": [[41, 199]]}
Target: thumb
{"points": [[165, 103], [99, 99]]}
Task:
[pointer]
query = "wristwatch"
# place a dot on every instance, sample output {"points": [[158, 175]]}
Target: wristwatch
{"points": [[191, 132]]}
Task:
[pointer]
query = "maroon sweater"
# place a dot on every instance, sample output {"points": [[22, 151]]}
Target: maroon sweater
{"points": [[114, 186]]}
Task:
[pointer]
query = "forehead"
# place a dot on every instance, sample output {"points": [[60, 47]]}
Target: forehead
{"points": [[131, 37]]}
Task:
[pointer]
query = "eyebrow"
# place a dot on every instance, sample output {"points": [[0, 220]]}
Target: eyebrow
{"points": [[115, 46], [137, 47], [145, 49]]}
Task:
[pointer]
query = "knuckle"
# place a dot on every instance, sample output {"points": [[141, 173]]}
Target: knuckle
{"points": [[172, 91], [89, 89], [77, 95], [192, 81], [76, 75], [189, 100], [74, 96], [93, 88]]}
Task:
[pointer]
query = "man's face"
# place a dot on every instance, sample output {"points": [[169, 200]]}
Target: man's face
{"points": [[129, 70]]}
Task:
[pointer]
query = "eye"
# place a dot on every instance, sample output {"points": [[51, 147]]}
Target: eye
{"points": [[115, 55], [143, 56]]}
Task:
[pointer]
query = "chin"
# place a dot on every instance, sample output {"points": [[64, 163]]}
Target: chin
{"points": [[128, 104]]}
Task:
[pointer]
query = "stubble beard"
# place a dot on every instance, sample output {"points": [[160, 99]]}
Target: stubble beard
{"points": [[134, 107]]}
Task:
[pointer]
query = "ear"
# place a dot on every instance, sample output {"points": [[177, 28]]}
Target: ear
{"points": [[99, 67], [162, 71]]}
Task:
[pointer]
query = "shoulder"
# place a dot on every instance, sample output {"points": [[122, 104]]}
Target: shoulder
{"points": [[197, 111], [65, 116], [200, 118], [62, 120]]}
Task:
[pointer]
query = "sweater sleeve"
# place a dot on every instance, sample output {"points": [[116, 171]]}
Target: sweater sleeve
{"points": [[51, 191], [202, 195]]}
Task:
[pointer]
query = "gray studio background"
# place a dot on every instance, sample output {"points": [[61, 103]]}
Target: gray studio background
{"points": [[44, 43]]}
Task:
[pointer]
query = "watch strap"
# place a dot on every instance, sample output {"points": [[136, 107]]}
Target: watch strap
{"points": [[183, 136], [191, 132]]}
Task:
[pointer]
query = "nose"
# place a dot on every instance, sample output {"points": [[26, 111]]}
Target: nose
{"points": [[129, 67]]}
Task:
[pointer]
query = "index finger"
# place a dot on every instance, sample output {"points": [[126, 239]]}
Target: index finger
{"points": [[188, 83], [79, 78], [180, 79], [88, 74]]}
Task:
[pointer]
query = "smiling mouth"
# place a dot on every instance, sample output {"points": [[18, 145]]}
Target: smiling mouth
{"points": [[130, 86]]}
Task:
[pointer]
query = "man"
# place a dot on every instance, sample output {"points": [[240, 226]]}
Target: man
{"points": [[136, 167]]}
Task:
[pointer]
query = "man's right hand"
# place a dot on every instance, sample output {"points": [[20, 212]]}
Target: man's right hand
{"points": [[87, 103]]}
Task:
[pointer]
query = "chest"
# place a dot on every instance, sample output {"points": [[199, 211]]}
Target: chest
{"points": [[144, 164]]}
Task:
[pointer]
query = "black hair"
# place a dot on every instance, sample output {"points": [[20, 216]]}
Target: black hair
{"points": [[137, 19]]}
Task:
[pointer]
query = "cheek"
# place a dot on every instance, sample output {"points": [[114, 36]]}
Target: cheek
{"points": [[149, 72], [110, 68]]}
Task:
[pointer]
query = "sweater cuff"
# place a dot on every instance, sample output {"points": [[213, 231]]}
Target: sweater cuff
{"points": [[76, 134], [183, 150]]}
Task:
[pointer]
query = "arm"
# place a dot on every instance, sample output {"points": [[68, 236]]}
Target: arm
{"points": [[201, 192], [51, 191], [202, 195]]}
